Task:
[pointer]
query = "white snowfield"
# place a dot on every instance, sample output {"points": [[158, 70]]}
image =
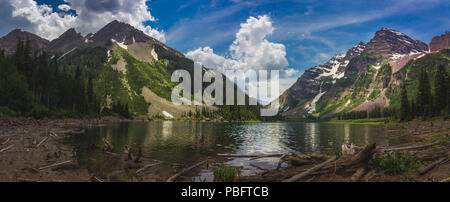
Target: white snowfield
{"points": [[154, 55], [121, 44]]}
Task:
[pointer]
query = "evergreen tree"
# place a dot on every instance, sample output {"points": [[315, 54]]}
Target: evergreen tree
{"points": [[405, 114], [424, 94], [441, 89]]}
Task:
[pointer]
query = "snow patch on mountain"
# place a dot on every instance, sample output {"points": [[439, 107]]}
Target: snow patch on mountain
{"points": [[311, 108], [121, 44], [154, 54]]}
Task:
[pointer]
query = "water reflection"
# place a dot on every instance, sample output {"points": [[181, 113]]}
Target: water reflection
{"points": [[190, 142]]}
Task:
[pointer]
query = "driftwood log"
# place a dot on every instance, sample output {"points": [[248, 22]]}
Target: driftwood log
{"points": [[408, 148], [107, 146], [45, 139], [358, 174], [6, 148], [309, 171], [55, 165], [425, 169], [171, 179], [147, 167], [253, 156]]}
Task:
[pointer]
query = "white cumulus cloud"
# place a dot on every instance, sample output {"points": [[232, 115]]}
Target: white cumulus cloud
{"points": [[90, 16], [250, 50]]}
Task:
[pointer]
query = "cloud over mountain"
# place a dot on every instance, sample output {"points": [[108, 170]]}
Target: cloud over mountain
{"points": [[87, 17], [250, 50]]}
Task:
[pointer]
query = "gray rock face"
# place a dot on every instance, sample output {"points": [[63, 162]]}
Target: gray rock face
{"points": [[66, 42], [120, 32], [319, 83], [8, 43], [387, 42], [314, 80], [440, 42]]}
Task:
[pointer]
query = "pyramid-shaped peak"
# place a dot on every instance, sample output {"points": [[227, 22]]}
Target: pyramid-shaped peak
{"points": [[120, 32]]}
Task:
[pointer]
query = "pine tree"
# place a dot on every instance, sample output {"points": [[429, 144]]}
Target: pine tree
{"points": [[441, 89], [405, 113], [424, 94]]}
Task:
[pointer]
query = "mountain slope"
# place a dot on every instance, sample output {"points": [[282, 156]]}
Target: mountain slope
{"points": [[68, 41], [355, 81], [9, 42]]}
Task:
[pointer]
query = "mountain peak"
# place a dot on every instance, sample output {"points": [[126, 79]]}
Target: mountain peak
{"points": [[120, 32], [69, 40], [8, 42], [388, 42], [440, 42]]}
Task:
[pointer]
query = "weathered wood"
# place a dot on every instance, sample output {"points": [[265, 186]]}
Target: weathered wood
{"points": [[25, 180], [408, 148], [364, 155], [309, 171], [6, 148], [250, 155], [425, 169], [259, 167], [41, 142], [54, 165], [147, 167], [266, 156], [171, 179], [280, 162], [358, 174], [108, 146], [98, 179], [6, 141], [371, 174]]}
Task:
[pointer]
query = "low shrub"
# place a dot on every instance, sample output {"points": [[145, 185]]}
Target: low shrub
{"points": [[224, 174], [395, 163]]}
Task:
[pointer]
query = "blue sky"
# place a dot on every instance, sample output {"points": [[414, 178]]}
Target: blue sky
{"points": [[294, 34], [312, 31]]}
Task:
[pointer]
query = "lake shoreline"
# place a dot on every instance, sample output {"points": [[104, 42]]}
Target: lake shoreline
{"points": [[32, 149]]}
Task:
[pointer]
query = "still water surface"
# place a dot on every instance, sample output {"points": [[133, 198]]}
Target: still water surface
{"points": [[190, 142]]}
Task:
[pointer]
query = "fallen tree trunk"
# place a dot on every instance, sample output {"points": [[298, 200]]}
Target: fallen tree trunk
{"points": [[6, 141], [6, 148], [147, 166], [425, 169], [254, 156], [369, 176], [45, 139], [55, 165], [171, 179], [309, 171], [364, 155], [358, 174], [408, 148]]}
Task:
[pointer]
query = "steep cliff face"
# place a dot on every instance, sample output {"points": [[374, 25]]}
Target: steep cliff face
{"points": [[440, 42], [355, 81]]}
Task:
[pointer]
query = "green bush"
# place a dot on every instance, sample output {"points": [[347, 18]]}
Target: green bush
{"points": [[5, 111], [224, 174], [395, 163]]}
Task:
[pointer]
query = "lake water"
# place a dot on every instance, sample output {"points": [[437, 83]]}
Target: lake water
{"points": [[190, 142]]}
